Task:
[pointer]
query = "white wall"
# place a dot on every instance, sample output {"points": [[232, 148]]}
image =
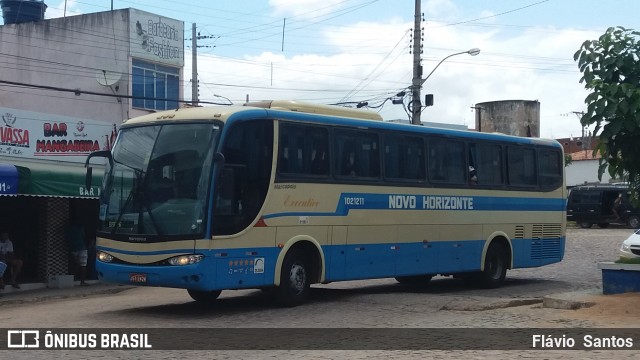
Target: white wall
{"points": [[581, 171], [67, 53], [71, 53]]}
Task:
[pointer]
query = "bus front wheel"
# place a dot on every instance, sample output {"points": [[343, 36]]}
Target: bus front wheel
{"points": [[204, 296], [294, 279], [495, 267]]}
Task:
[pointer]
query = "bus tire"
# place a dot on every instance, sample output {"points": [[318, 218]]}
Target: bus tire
{"points": [[204, 297], [414, 280], [294, 279], [633, 222], [496, 263], [585, 224]]}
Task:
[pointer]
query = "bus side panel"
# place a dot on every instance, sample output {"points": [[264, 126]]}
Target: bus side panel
{"points": [[537, 252], [416, 254], [336, 254], [438, 249], [371, 252], [245, 261], [241, 269]]}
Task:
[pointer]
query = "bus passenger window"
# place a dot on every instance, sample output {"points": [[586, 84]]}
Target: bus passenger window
{"points": [[320, 162], [349, 168], [521, 166], [473, 176], [447, 162], [404, 158]]}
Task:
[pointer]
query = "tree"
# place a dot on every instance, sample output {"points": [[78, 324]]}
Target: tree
{"points": [[611, 73], [567, 160]]}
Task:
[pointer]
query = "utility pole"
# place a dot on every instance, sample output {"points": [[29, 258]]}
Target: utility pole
{"points": [[194, 65], [416, 105]]}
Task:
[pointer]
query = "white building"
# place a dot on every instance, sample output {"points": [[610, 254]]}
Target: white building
{"points": [[584, 169], [66, 85]]}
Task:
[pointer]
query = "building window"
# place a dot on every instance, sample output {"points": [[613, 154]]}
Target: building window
{"points": [[155, 87]]}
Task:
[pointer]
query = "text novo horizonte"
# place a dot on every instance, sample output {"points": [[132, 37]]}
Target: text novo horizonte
{"points": [[431, 202]]}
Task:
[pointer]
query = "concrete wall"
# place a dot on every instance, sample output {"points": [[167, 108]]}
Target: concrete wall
{"points": [[579, 172], [68, 53], [511, 117]]}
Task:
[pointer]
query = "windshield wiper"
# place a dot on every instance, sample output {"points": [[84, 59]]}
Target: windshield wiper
{"points": [[140, 199]]}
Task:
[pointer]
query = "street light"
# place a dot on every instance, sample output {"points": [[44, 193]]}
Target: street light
{"points": [[417, 84]]}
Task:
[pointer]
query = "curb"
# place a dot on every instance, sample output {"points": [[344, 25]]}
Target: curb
{"points": [[572, 300], [491, 305], [57, 294]]}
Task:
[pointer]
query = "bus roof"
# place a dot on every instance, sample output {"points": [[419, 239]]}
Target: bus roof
{"points": [[222, 112], [301, 111], [310, 108]]}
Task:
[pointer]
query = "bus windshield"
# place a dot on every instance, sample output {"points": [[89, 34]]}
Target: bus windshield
{"points": [[158, 183]]}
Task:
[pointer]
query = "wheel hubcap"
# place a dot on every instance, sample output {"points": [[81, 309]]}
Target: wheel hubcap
{"points": [[495, 268], [297, 278]]}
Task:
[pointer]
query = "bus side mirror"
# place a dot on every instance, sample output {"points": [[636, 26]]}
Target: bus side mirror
{"points": [[218, 158], [101, 153], [87, 180]]}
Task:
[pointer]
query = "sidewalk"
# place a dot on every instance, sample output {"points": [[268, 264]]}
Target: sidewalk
{"points": [[36, 292]]}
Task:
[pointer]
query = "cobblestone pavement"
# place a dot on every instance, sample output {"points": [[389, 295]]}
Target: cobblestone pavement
{"points": [[382, 303]]}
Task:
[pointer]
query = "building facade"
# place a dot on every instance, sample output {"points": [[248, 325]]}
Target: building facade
{"points": [[68, 83]]}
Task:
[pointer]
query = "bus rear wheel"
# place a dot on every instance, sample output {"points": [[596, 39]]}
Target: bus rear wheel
{"points": [[204, 296], [496, 263], [414, 280], [294, 279]]}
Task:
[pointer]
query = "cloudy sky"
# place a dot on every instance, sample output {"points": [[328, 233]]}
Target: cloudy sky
{"points": [[330, 51]]}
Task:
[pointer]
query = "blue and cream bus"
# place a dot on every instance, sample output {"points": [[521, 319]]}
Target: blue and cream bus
{"points": [[281, 195]]}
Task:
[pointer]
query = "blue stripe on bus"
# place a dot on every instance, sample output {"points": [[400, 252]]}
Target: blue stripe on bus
{"points": [[364, 201], [343, 262]]}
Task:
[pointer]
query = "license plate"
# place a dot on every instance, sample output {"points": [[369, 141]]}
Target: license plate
{"points": [[138, 278]]}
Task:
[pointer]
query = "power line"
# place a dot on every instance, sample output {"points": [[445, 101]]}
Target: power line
{"points": [[80, 92]]}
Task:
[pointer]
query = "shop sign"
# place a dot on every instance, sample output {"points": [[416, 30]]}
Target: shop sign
{"points": [[28, 134]]}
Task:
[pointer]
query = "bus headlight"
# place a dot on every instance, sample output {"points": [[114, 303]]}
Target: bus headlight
{"points": [[104, 257], [185, 259]]}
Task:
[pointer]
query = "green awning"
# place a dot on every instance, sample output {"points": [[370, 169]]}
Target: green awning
{"points": [[57, 181]]}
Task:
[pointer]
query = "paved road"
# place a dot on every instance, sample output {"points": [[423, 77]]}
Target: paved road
{"points": [[382, 303]]}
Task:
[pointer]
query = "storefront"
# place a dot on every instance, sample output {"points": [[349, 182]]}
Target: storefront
{"points": [[37, 203]]}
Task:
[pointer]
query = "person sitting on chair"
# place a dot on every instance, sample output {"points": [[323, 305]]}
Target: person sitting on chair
{"points": [[8, 257]]}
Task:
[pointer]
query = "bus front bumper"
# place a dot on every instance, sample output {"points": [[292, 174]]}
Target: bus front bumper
{"points": [[191, 276]]}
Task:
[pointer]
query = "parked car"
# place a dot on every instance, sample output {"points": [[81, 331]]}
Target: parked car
{"points": [[630, 248], [594, 204]]}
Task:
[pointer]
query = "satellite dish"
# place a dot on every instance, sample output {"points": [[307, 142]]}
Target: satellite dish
{"points": [[107, 78]]}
